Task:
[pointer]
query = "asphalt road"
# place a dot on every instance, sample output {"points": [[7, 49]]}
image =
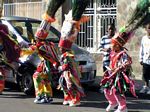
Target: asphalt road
{"points": [[13, 101]]}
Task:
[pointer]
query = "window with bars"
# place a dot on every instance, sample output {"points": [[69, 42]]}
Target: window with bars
{"points": [[101, 13]]}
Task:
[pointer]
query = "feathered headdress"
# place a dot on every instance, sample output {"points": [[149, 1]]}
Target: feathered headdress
{"points": [[140, 16], [51, 9], [53, 6], [71, 24], [122, 37], [78, 8], [48, 18]]}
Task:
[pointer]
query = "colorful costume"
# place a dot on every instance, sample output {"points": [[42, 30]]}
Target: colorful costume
{"points": [[118, 79], [9, 54], [47, 52], [42, 75], [70, 79], [69, 33]]}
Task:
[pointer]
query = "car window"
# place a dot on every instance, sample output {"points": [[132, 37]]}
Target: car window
{"points": [[20, 28], [26, 29]]}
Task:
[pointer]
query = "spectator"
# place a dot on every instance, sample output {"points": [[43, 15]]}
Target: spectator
{"points": [[145, 60], [105, 45]]}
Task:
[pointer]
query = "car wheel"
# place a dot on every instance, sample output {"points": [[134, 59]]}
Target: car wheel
{"points": [[27, 83]]}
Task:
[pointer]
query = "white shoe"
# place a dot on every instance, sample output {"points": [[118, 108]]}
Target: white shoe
{"points": [[118, 110], [148, 92], [37, 100], [110, 107], [72, 104], [144, 89], [66, 102]]}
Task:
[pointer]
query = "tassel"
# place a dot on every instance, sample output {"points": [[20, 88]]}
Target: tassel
{"points": [[124, 86], [119, 85], [126, 78], [132, 89], [48, 18]]}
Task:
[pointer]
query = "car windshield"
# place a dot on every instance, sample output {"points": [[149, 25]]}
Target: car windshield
{"points": [[27, 29]]}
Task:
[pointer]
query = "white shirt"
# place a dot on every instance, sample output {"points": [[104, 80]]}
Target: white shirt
{"points": [[105, 44], [145, 50]]}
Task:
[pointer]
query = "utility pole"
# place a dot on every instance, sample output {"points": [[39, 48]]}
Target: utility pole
{"points": [[1, 7]]}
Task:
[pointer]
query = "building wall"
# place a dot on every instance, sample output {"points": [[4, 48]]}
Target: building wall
{"points": [[124, 11]]}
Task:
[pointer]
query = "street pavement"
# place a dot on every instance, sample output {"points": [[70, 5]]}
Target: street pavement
{"points": [[14, 101]]}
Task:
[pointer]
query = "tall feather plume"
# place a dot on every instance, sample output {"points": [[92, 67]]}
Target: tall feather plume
{"points": [[140, 16], [53, 6], [78, 8]]}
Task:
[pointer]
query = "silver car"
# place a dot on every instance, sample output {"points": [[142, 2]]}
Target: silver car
{"points": [[27, 66]]}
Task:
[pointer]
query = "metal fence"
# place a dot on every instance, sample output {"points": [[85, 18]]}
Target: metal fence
{"points": [[101, 13], [27, 9]]}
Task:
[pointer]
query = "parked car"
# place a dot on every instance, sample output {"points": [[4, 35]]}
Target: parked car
{"points": [[27, 66]]}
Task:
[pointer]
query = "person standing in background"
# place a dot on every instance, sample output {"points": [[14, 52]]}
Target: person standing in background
{"points": [[144, 59], [105, 45]]}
